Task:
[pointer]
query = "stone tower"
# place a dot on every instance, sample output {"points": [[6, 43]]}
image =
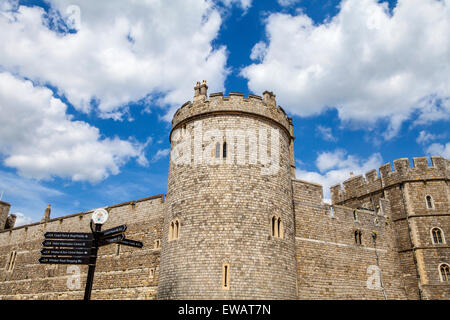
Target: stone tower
{"points": [[4, 210], [419, 196], [229, 226]]}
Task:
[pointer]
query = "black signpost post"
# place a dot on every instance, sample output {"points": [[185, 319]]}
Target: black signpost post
{"points": [[91, 270], [82, 248]]}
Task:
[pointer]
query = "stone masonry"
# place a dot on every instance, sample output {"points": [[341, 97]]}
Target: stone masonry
{"points": [[407, 189], [4, 214], [237, 224]]}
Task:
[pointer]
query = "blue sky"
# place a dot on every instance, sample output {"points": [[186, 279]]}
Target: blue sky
{"points": [[87, 89]]}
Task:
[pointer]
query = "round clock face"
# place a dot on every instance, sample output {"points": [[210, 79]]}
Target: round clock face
{"points": [[100, 216]]}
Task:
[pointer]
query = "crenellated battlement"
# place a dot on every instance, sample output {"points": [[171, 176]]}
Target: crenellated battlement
{"points": [[235, 102], [4, 211], [309, 195], [385, 235], [402, 172], [157, 200]]}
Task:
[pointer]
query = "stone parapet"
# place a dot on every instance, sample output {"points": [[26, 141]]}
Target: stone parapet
{"points": [[235, 103], [403, 172]]}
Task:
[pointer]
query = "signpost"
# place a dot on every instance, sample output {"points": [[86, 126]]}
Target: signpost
{"points": [[113, 231], [110, 240], [68, 235], [66, 252], [65, 260], [82, 248], [132, 243], [63, 243], [91, 270]]}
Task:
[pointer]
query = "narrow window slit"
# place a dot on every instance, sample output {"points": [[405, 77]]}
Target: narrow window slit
{"points": [[226, 276]]}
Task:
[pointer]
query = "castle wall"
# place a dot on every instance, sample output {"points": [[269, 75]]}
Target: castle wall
{"points": [[235, 102], [225, 211], [406, 188], [126, 275], [330, 264]]}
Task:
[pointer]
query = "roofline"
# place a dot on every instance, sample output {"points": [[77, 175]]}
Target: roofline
{"points": [[85, 212]]}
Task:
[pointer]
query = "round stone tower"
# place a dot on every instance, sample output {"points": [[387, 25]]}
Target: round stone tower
{"points": [[229, 226]]}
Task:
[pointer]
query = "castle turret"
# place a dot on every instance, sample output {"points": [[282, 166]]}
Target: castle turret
{"points": [[4, 211], [10, 221], [200, 91], [229, 226], [46, 214], [269, 99]]}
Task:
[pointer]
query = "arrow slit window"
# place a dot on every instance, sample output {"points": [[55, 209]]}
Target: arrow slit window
{"points": [[152, 273], [226, 277], [430, 204], [224, 153], [358, 237]]}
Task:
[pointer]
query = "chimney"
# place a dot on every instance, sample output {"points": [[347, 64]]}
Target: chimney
{"points": [[200, 91], [197, 89], [46, 214], [269, 99]]}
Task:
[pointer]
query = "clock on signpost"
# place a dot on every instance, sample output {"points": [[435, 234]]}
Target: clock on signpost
{"points": [[100, 216]]}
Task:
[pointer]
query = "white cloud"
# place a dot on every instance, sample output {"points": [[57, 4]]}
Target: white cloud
{"points": [[162, 153], [326, 133], [121, 52], [287, 3], [22, 219], [258, 51], [244, 4], [365, 62], [9, 5], [433, 108], [18, 187], [437, 149], [425, 137], [335, 167], [26, 196], [40, 140]]}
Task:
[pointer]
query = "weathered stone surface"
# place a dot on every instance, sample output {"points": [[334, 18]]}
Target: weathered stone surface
{"points": [[407, 187], [224, 243]]}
